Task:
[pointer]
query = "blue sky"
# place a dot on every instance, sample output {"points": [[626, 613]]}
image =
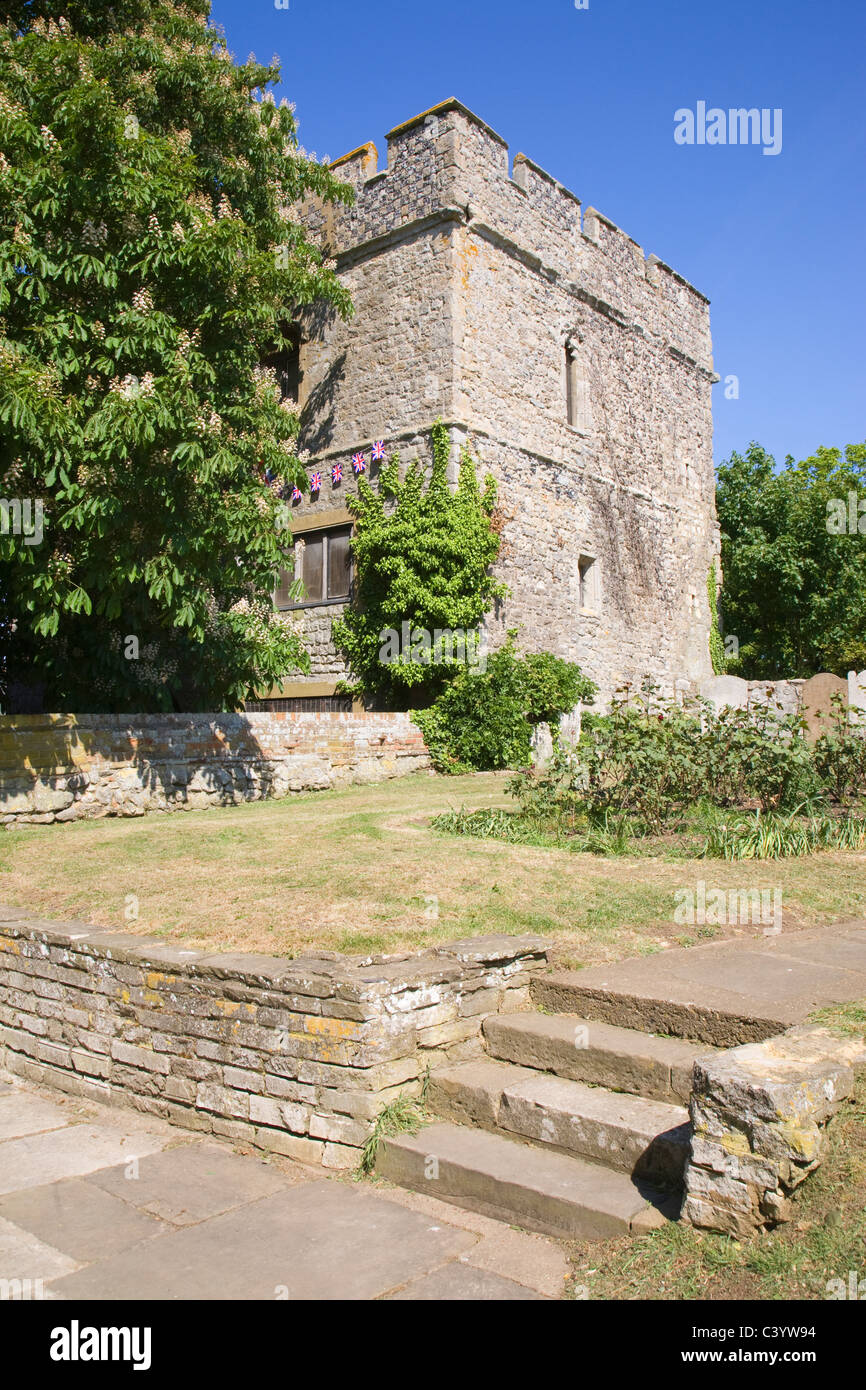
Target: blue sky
{"points": [[776, 241]]}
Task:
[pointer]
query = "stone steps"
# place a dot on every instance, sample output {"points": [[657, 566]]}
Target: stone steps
{"points": [[570, 1125], [524, 1185], [601, 1054], [646, 1138], [665, 1005]]}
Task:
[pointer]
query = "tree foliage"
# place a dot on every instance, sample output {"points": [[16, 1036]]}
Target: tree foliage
{"points": [[148, 264], [794, 561]]}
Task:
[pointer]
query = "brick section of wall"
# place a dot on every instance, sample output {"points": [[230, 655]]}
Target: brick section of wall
{"points": [[293, 1056], [58, 767]]}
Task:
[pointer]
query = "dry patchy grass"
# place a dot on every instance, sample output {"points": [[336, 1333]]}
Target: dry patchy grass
{"points": [[360, 870]]}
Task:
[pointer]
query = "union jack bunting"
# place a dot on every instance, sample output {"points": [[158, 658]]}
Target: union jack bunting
{"points": [[296, 493], [316, 483], [337, 473], [379, 449], [359, 463]]}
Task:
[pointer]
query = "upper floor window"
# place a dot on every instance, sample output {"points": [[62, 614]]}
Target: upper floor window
{"points": [[578, 411], [323, 564], [286, 363], [588, 589]]}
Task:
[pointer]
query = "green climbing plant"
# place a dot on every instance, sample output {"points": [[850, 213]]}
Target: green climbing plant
{"points": [[717, 645], [423, 555]]}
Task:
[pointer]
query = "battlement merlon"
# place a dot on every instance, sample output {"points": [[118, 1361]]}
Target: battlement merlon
{"points": [[449, 162]]}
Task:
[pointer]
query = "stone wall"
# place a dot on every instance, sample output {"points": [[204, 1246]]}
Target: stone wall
{"points": [[471, 281], [760, 1114], [812, 699], [58, 767], [294, 1056]]}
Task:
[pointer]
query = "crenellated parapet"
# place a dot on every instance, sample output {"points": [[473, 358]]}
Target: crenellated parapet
{"points": [[448, 165]]}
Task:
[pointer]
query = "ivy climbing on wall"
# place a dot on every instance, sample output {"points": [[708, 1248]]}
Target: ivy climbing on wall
{"points": [[422, 554], [717, 645]]}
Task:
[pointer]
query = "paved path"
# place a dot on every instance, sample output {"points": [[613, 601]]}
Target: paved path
{"points": [[99, 1203], [775, 980]]}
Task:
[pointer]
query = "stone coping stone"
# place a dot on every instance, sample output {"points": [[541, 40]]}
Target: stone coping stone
{"points": [[313, 972], [801, 1073]]}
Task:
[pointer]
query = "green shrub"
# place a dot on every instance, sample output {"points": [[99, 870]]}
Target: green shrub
{"points": [[840, 755], [484, 721], [651, 765]]}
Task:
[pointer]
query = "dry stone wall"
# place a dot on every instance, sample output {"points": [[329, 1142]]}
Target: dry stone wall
{"points": [[57, 767], [293, 1056], [759, 1115]]}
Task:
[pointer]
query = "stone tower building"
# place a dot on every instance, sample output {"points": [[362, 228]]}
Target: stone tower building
{"points": [[580, 370]]}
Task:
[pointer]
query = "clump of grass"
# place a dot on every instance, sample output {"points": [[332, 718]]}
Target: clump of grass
{"points": [[774, 836], [493, 823], [405, 1115], [609, 836], [846, 1019]]}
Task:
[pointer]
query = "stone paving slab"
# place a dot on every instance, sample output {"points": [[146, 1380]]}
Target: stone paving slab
{"points": [[37, 1159], [763, 986], [20, 1115], [520, 1256], [319, 1240], [24, 1256], [79, 1219], [463, 1282], [202, 1221], [190, 1184]]}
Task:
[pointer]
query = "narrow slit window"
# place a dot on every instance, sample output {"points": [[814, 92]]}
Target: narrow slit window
{"points": [[587, 572], [577, 404], [570, 384]]}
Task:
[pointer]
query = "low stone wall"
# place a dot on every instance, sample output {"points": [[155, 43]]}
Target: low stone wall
{"points": [[58, 767], [811, 698], [760, 1114], [295, 1056]]}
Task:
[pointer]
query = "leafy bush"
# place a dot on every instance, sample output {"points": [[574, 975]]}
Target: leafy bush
{"points": [[484, 721], [651, 766], [840, 754]]}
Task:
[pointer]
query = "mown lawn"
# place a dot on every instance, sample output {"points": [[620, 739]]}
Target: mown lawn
{"points": [[361, 870]]}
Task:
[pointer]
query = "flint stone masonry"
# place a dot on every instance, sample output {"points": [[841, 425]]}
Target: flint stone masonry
{"points": [[58, 767], [487, 297], [760, 1114], [295, 1056]]}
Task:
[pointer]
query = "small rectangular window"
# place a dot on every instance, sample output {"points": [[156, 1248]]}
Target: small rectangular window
{"points": [[587, 570], [323, 563], [286, 364]]}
